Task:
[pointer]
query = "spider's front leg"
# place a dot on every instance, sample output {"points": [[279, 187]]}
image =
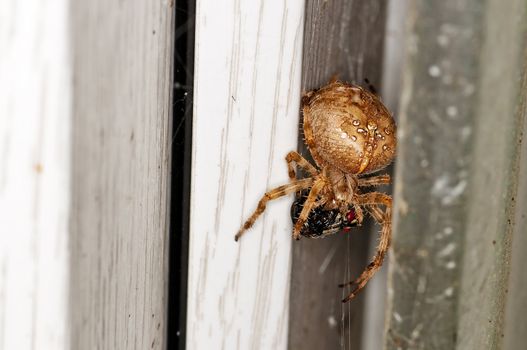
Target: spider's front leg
{"points": [[371, 202], [295, 186], [294, 158], [310, 204]]}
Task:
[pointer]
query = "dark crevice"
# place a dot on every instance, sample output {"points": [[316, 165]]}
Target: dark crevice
{"points": [[181, 172]]}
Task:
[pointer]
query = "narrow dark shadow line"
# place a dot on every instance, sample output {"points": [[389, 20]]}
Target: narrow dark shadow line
{"points": [[181, 172]]}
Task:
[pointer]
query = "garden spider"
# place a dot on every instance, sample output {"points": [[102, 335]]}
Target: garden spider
{"points": [[350, 135]]}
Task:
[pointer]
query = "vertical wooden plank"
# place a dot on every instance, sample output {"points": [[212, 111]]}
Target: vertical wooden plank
{"points": [[35, 166], [456, 174], [343, 38], [246, 102], [121, 156], [515, 332], [492, 217], [393, 62], [436, 124]]}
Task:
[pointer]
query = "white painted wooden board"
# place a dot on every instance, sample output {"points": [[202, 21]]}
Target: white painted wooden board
{"points": [[121, 161], [246, 113], [35, 174]]}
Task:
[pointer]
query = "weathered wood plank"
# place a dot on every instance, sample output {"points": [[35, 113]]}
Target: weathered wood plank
{"points": [[515, 331], [493, 216], [432, 172], [121, 155], [343, 38], [246, 101], [35, 174], [455, 174]]}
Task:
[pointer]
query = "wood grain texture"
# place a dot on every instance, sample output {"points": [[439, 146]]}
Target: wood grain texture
{"points": [[343, 38], [515, 332], [432, 174], [456, 175], [246, 103], [121, 154], [35, 174], [495, 186]]}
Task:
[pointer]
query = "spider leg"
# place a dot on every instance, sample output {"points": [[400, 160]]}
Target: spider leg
{"points": [[376, 213], [374, 181], [358, 213], [294, 158], [275, 193], [320, 202], [371, 202], [310, 203]]}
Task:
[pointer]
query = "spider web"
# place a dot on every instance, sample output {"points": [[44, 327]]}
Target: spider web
{"points": [[345, 308]]}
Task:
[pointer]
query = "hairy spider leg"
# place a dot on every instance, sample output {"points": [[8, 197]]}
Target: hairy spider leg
{"points": [[374, 180], [371, 200], [378, 180], [358, 213], [280, 191], [376, 213], [310, 203], [294, 158]]}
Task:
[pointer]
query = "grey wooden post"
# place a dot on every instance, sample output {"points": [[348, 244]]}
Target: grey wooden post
{"points": [[122, 58], [457, 175], [341, 38]]}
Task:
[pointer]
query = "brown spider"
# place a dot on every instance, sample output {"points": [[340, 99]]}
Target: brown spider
{"points": [[350, 135]]}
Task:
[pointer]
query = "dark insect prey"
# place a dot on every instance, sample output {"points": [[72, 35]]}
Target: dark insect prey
{"points": [[322, 222]]}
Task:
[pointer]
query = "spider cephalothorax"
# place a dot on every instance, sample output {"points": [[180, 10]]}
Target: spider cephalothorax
{"points": [[350, 135]]}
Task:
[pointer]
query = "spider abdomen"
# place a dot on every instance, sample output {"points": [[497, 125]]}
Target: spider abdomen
{"points": [[349, 128]]}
